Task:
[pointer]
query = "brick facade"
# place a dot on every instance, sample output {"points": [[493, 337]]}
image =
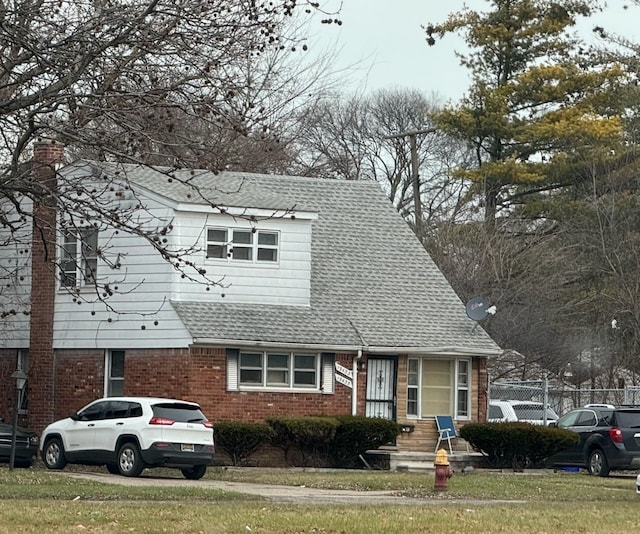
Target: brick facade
{"points": [[208, 387], [198, 374]]}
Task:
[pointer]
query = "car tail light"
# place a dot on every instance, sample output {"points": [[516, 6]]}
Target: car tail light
{"points": [[616, 435], [161, 421], [208, 424]]}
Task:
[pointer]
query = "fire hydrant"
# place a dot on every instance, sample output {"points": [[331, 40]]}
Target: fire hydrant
{"points": [[443, 472]]}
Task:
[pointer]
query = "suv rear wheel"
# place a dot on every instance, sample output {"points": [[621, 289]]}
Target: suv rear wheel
{"points": [[53, 454], [130, 462], [113, 469], [194, 473], [598, 464]]}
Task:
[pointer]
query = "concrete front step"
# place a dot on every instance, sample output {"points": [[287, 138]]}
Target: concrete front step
{"points": [[423, 461]]}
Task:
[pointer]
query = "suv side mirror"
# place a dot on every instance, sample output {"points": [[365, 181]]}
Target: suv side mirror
{"points": [[74, 416]]}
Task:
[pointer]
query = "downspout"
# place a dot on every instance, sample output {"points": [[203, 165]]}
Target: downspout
{"points": [[354, 391], [354, 380]]}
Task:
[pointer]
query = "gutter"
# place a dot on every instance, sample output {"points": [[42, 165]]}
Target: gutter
{"points": [[439, 350]]}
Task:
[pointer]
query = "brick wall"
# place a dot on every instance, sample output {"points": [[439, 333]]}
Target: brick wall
{"points": [[157, 373], [198, 374], [79, 379], [208, 387]]}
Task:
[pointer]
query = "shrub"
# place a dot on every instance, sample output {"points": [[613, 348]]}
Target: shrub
{"points": [[310, 435], [517, 445], [357, 434], [239, 439]]}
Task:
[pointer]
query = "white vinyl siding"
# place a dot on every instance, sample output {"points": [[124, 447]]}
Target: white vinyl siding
{"points": [[139, 313], [15, 274], [274, 265]]}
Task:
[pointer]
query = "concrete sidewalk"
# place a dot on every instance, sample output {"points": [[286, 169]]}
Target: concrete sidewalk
{"points": [[290, 494]]}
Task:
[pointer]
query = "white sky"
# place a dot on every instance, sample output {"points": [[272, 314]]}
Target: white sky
{"points": [[385, 39]]}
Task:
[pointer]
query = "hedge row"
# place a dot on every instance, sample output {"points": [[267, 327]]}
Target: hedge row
{"points": [[517, 445], [321, 441]]}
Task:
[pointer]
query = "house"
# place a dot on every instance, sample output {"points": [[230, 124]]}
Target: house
{"points": [[279, 295]]}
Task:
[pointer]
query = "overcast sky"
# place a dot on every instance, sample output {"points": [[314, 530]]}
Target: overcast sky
{"points": [[386, 39]]}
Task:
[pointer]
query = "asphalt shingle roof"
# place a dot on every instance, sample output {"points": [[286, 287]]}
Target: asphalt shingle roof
{"points": [[372, 282]]}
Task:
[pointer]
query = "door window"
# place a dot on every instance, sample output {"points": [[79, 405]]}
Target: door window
{"points": [[94, 412]]}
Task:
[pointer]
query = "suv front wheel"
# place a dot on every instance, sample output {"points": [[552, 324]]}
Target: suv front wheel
{"points": [[130, 462], [598, 464], [53, 454]]}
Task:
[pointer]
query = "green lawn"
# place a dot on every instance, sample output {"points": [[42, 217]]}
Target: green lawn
{"points": [[39, 501]]}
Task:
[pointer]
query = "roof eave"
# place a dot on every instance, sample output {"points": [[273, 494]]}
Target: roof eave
{"points": [[439, 350]]}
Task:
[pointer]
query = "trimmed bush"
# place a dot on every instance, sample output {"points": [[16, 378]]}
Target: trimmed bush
{"points": [[239, 439], [357, 434], [517, 445], [310, 436]]}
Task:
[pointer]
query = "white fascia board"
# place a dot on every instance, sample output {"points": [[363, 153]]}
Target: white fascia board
{"points": [[452, 351], [275, 345], [234, 211], [259, 213]]}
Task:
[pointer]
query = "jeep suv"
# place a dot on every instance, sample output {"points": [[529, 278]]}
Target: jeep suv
{"points": [[609, 439], [128, 434]]}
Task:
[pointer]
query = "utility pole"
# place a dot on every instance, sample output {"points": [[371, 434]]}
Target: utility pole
{"points": [[415, 178]]}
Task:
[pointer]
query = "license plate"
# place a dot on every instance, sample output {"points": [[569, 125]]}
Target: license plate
{"points": [[187, 447]]}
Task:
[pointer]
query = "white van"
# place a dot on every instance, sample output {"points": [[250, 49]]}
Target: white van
{"points": [[502, 411]]}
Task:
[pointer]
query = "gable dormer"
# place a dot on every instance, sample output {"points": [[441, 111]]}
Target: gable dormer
{"points": [[255, 256]]}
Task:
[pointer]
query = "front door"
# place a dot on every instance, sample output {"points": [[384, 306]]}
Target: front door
{"points": [[381, 387]]}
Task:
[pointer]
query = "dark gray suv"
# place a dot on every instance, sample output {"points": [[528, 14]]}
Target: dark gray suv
{"points": [[609, 439]]}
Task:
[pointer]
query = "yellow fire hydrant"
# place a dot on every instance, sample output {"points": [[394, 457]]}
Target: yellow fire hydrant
{"points": [[443, 472]]}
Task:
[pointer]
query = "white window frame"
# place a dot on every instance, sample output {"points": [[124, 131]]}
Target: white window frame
{"points": [[266, 371], [243, 245], [460, 387], [79, 257], [110, 380]]}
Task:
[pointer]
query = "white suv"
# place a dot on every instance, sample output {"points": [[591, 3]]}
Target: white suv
{"points": [[502, 411], [128, 434]]}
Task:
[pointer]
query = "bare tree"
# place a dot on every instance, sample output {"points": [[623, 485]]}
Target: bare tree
{"points": [[163, 82], [360, 138]]}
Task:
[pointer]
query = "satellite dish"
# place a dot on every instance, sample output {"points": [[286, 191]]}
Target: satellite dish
{"points": [[478, 308]]}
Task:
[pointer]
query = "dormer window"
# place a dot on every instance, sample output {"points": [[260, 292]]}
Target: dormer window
{"points": [[242, 245], [79, 257]]}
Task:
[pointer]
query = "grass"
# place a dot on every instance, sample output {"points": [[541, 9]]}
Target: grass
{"points": [[40, 501], [482, 484]]}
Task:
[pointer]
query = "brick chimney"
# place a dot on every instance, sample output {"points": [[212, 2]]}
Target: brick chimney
{"points": [[47, 156]]}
